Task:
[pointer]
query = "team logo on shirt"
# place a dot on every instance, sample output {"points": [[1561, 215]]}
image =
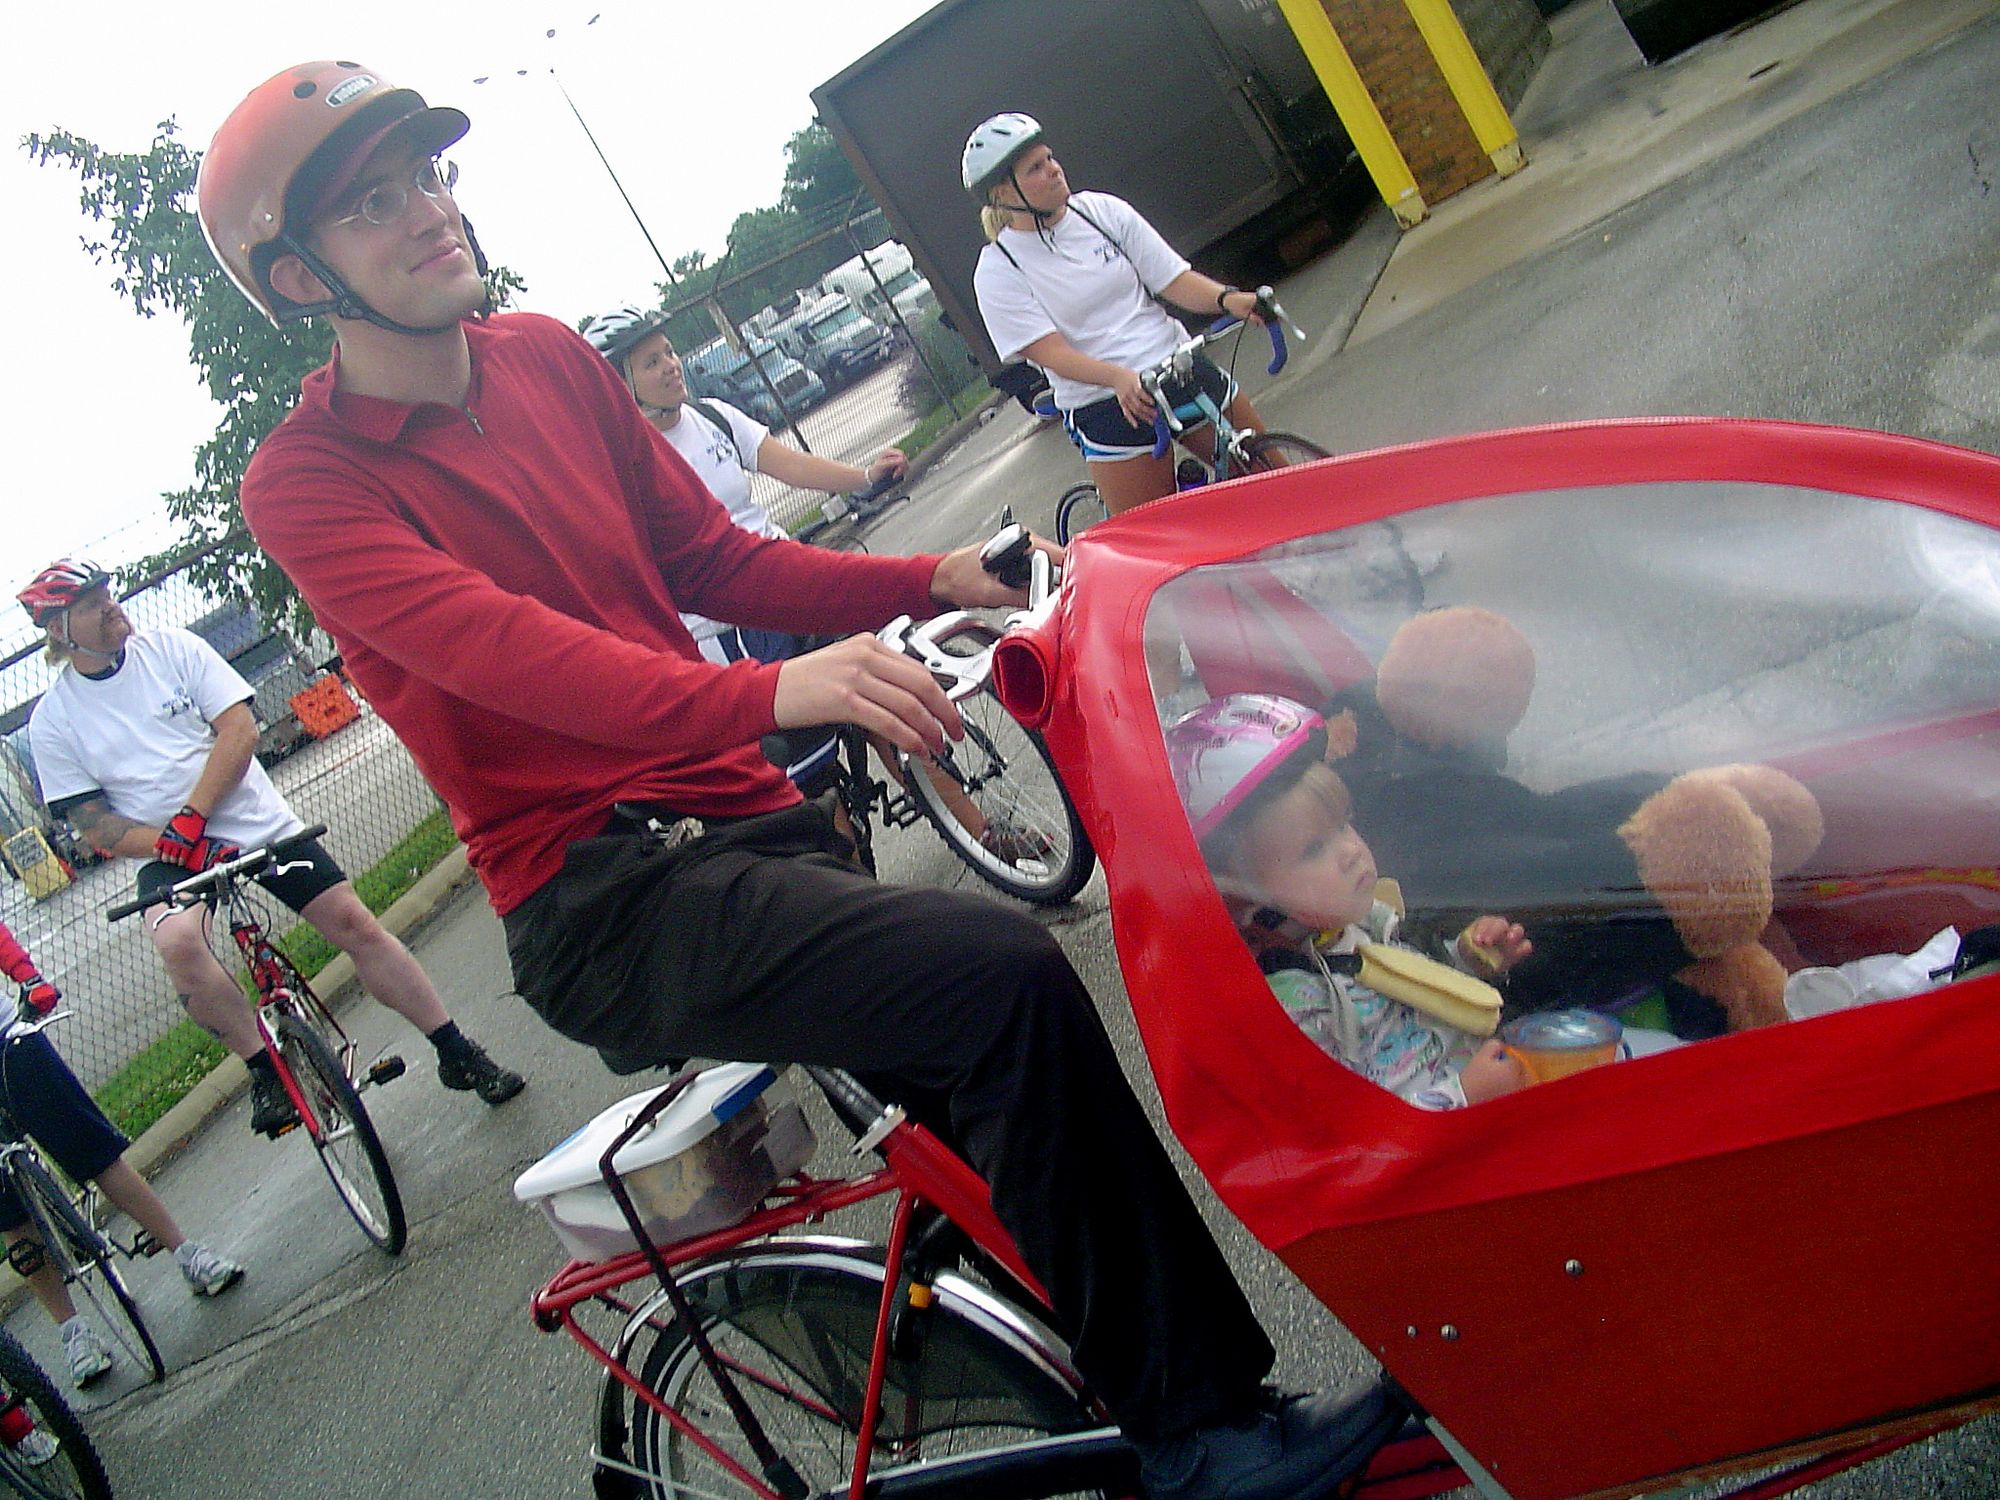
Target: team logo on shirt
{"points": [[180, 703], [1107, 252]]}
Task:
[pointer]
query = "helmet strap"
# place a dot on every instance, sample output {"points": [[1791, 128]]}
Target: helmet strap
{"points": [[343, 302]]}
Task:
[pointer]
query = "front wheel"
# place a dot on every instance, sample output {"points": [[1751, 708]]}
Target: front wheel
{"points": [[52, 1459], [344, 1136], [88, 1263], [793, 1323], [995, 798], [1080, 508], [1265, 451]]}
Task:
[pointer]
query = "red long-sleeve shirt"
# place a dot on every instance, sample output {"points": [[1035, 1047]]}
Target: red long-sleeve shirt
{"points": [[505, 582], [14, 960]]}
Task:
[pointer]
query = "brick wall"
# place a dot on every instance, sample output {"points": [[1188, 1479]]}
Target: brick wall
{"points": [[1410, 91]]}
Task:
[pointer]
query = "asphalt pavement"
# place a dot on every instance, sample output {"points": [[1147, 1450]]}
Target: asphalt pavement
{"points": [[1807, 228]]}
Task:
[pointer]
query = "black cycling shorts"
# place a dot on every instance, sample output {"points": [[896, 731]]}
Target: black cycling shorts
{"points": [[45, 1099], [314, 874], [1103, 435]]}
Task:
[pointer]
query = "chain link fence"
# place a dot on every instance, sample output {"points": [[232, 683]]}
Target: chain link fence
{"points": [[836, 344], [327, 752]]}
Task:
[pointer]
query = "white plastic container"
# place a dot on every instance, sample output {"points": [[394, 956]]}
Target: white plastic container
{"points": [[705, 1163]]}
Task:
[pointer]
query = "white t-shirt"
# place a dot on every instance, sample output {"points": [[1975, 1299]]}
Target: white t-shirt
{"points": [[726, 470], [141, 736], [1083, 287]]}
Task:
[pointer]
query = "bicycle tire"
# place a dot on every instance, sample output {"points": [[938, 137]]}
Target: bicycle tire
{"points": [[1007, 771], [75, 1471], [1080, 508], [347, 1144], [1265, 451], [88, 1262], [794, 1321]]}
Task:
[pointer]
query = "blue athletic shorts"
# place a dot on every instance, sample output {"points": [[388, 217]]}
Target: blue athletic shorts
{"points": [[1103, 435], [44, 1098]]}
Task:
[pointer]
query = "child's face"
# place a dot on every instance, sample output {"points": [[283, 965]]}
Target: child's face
{"points": [[1305, 859]]}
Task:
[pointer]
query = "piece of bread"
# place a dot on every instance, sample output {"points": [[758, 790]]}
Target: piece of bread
{"points": [[1436, 989]]}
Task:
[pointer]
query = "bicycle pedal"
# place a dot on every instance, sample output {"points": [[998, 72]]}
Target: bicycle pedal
{"points": [[285, 1129], [385, 1068], [144, 1244]]}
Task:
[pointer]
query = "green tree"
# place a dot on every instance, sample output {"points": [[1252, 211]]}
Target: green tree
{"points": [[140, 208], [818, 175]]}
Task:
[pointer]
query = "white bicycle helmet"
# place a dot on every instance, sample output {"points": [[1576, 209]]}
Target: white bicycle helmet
{"points": [[614, 334], [1229, 747], [993, 147]]}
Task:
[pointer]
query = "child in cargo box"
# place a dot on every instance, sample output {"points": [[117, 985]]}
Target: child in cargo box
{"points": [[1272, 819]]}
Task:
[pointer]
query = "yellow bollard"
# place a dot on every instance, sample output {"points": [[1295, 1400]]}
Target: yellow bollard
{"points": [[1358, 114]]}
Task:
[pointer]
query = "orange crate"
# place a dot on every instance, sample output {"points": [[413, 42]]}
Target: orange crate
{"points": [[324, 707]]}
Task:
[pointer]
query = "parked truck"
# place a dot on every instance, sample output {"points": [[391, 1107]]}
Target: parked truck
{"points": [[720, 371], [830, 337], [880, 280]]}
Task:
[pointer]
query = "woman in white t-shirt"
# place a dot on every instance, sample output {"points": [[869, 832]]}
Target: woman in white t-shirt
{"points": [[1070, 282], [724, 447]]}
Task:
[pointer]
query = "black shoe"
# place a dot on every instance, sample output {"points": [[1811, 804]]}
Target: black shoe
{"points": [[1295, 1448], [471, 1068], [271, 1110]]}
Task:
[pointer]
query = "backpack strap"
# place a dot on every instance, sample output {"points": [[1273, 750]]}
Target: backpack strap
{"points": [[716, 420]]}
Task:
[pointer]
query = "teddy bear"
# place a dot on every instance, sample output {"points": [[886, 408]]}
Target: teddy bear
{"points": [[1628, 885]]}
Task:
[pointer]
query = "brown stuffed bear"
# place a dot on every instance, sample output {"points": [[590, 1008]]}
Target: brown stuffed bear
{"points": [[1626, 885]]}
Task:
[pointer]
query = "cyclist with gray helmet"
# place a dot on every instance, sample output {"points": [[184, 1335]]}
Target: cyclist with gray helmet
{"points": [[1072, 282]]}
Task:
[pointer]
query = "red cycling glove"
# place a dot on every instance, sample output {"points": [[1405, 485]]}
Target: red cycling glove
{"points": [[185, 842], [38, 995]]}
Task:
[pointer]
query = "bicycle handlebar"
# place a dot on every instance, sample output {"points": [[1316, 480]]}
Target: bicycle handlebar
{"points": [[1180, 364], [187, 892], [30, 1022]]}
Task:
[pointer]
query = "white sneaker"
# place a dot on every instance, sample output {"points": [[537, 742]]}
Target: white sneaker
{"points": [[37, 1448], [86, 1352], [208, 1274]]}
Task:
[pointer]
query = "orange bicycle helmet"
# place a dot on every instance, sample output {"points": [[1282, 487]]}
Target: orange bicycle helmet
{"points": [[292, 144]]}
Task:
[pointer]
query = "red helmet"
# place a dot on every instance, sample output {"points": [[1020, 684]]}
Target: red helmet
{"points": [[294, 142], [58, 586]]}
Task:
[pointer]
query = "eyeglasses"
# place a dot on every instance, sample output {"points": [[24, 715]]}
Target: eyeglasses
{"points": [[385, 203]]}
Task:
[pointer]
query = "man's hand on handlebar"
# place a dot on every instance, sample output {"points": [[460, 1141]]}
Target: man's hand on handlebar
{"points": [[184, 841], [863, 682], [38, 996], [963, 582]]}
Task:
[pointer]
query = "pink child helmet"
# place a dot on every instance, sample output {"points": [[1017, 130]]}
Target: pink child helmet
{"points": [[1224, 750]]}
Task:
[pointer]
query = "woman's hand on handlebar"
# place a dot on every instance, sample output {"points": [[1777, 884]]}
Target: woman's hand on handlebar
{"points": [[1133, 398], [863, 682], [962, 582], [1247, 307]]}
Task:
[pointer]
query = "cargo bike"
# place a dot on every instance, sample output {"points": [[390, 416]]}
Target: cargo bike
{"points": [[1742, 1257]]}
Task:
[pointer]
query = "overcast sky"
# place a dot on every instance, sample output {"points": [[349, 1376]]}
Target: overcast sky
{"points": [[692, 104]]}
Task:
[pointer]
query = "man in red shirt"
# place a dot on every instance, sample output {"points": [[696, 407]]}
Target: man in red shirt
{"points": [[480, 515]]}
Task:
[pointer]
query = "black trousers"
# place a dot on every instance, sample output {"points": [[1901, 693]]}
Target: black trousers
{"points": [[759, 943]]}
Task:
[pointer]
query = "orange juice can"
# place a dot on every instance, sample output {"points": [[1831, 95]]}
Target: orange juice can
{"points": [[1553, 1044]]}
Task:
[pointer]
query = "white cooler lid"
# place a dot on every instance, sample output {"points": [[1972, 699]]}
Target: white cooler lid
{"points": [[716, 1095]]}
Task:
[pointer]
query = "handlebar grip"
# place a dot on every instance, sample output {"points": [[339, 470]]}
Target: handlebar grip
{"points": [[1279, 353], [1221, 325], [858, 1109], [1162, 435], [125, 908]]}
